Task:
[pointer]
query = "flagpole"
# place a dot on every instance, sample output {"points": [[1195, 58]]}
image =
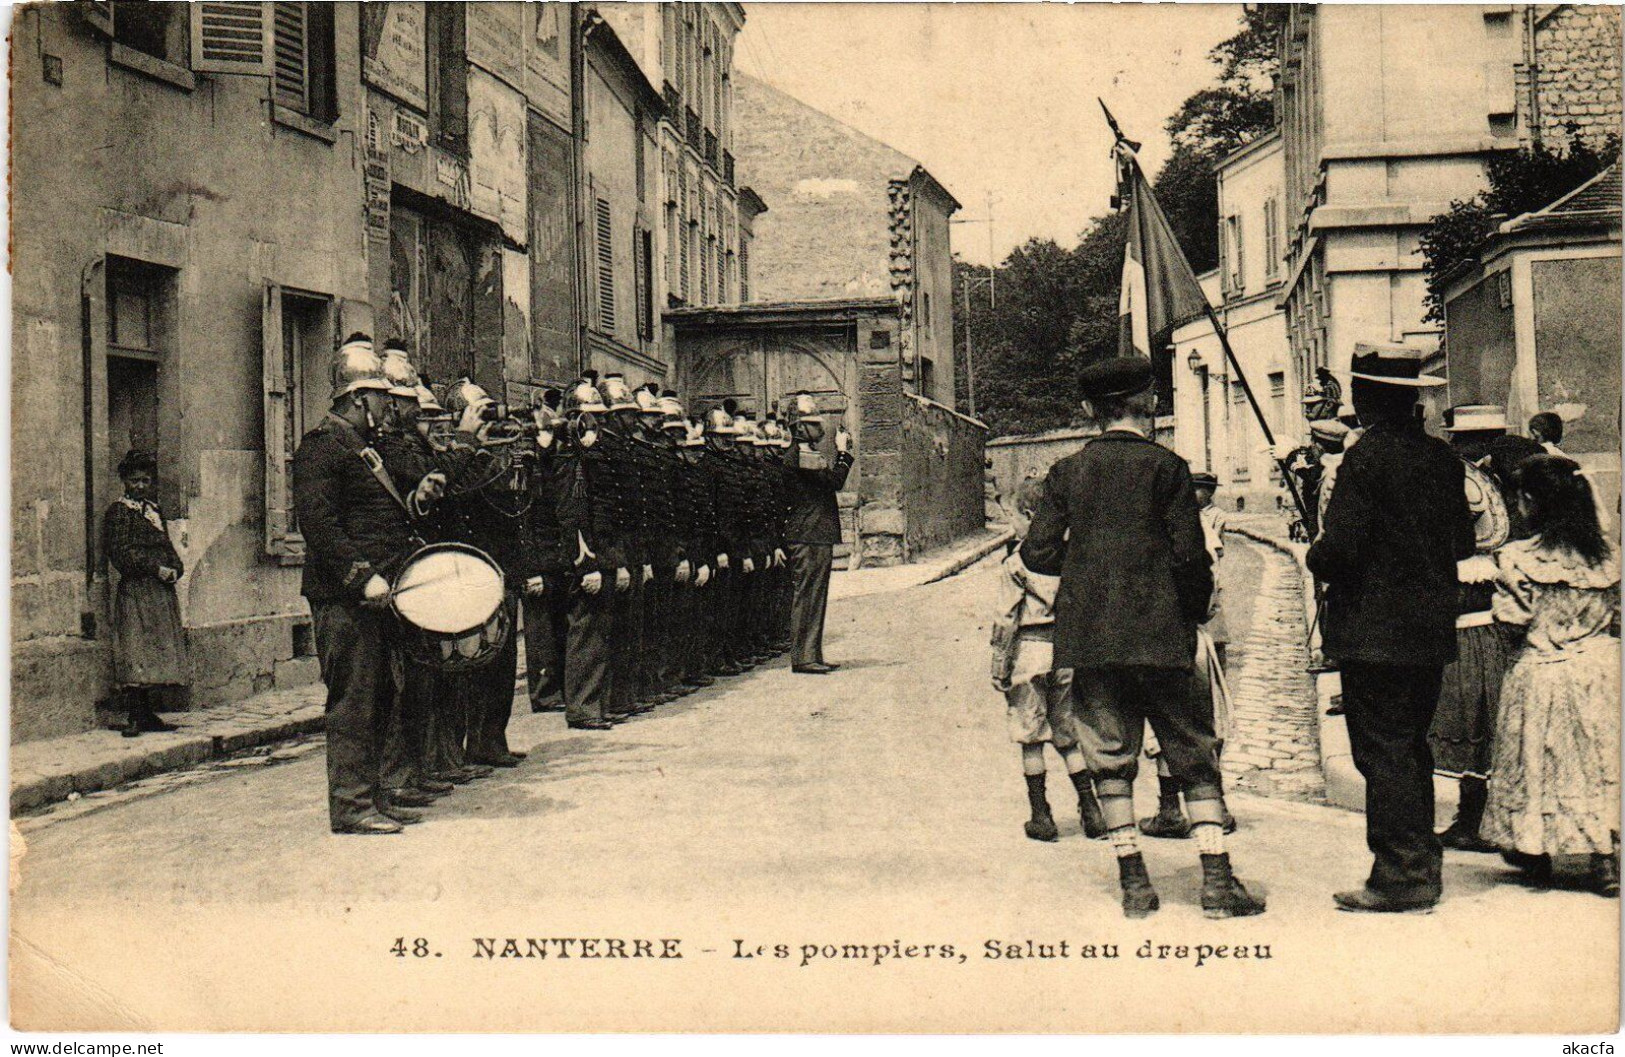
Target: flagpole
{"points": [[1123, 141]]}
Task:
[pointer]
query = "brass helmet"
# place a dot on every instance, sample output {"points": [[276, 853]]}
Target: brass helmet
{"points": [[617, 394], [462, 393], [428, 403], [546, 412], [583, 396], [398, 370], [672, 408], [806, 408], [772, 435], [648, 399], [693, 433], [719, 423], [357, 367], [746, 429]]}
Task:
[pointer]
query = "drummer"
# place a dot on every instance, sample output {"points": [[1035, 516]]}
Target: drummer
{"points": [[357, 529]]}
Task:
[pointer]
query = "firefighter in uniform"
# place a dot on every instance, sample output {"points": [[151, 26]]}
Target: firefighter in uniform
{"points": [[732, 539], [625, 490], [547, 612], [358, 530], [697, 506], [812, 528], [588, 512]]}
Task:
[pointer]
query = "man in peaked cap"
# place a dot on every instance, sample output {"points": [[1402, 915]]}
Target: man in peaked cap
{"points": [[1118, 523], [812, 527], [1394, 529]]}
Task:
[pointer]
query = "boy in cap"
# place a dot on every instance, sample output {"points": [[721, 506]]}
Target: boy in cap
{"points": [[1118, 523], [1037, 699]]}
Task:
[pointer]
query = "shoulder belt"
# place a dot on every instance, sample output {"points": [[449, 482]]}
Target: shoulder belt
{"points": [[374, 463]]}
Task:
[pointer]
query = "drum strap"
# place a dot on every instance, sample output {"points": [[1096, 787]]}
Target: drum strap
{"points": [[374, 463]]}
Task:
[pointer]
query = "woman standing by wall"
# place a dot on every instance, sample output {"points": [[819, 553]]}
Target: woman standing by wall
{"points": [[149, 645]]}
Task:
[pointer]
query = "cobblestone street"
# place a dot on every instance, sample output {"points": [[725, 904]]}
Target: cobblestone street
{"points": [[1274, 749]]}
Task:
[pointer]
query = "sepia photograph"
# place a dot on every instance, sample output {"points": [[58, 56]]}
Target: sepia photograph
{"points": [[814, 518]]}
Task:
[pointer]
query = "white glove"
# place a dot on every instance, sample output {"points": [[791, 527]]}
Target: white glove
{"points": [[592, 583], [168, 575], [623, 579], [722, 561], [648, 573], [702, 577], [376, 591], [843, 440], [778, 556], [750, 566], [683, 571], [535, 586], [429, 490]]}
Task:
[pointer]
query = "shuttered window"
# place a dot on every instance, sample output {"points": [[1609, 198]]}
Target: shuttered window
{"points": [[722, 273], [643, 265], [705, 270], [744, 270], [231, 38], [604, 230], [292, 75]]}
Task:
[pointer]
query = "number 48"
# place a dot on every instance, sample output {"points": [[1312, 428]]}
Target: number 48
{"points": [[419, 948]]}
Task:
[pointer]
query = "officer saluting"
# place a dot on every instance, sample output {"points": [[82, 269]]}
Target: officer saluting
{"points": [[357, 532], [812, 527]]}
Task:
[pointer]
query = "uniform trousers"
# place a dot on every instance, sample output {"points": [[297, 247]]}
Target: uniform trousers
{"points": [[1389, 708], [1112, 706], [407, 747], [586, 654], [355, 649], [810, 567], [547, 628], [625, 642], [491, 690]]}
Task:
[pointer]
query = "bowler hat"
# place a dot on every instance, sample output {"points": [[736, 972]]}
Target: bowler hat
{"points": [[1472, 418], [1390, 364], [1115, 376], [1328, 429], [1203, 479]]}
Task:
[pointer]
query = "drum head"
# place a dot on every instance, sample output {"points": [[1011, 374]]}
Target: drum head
{"points": [[448, 590]]}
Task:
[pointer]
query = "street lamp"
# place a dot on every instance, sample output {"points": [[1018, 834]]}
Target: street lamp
{"points": [[1194, 360]]}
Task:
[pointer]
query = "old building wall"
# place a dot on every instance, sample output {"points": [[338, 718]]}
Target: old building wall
{"points": [[1576, 74], [942, 456], [175, 172], [934, 293]]}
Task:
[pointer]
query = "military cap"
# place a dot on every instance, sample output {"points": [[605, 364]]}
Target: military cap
{"points": [[1115, 376]]}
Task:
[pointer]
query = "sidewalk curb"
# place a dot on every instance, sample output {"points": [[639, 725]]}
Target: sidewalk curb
{"points": [[1345, 787], [964, 561], [211, 738]]}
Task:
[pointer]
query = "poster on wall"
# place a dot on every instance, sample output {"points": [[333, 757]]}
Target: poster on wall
{"points": [[496, 143], [552, 254], [547, 60], [393, 55], [495, 40]]}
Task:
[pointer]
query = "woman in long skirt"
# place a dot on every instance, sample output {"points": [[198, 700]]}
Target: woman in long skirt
{"points": [[1554, 785], [149, 645]]}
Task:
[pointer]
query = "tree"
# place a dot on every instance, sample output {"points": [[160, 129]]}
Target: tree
{"points": [[1519, 182]]}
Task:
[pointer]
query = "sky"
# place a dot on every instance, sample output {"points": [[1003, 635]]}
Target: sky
{"points": [[996, 97]]}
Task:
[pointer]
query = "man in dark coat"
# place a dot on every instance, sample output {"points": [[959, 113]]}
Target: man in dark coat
{"points": [[1395, 526], [358, 530], [812, 527], [1118, 523]]}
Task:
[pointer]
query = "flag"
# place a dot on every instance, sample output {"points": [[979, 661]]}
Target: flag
{"points": [[1160, 292]]}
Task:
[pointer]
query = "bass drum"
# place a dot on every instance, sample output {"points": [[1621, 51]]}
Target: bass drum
{"points": [[449, 598]]}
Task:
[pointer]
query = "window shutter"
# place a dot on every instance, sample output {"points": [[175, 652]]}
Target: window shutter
{"points": [[744, 270], [291, 39], [640, 278], [98, 15], [231, 38], [606, 266], [281, 541]]}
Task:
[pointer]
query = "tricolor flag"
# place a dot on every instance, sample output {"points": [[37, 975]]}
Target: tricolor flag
{"points": [[1160, 292]]}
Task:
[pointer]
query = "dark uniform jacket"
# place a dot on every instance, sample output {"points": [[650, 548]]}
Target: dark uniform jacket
{"points": [[594, 504], [1118, 524], [1395, 527], [812, 515], [353, 527]]}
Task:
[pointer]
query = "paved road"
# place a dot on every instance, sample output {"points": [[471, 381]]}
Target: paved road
{"points": [[879, 805]]}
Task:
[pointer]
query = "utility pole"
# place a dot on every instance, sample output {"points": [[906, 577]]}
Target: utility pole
{"points": [[966, 283]]}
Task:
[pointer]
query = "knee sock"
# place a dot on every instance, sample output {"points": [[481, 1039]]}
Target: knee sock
{"points": [[1209, 838], [1035, 795], [1125, 841]]}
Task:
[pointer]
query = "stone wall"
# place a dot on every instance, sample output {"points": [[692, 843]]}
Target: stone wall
{"points": [[1014, 459], [880, 520], [1576, 74], [942, 460]]}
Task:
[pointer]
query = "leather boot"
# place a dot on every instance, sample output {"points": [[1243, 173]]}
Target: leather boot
{"points": [[1042, 827], [1169, 821], [1463, 832], [1094, 823], [1222, 895], [1139, 898]]}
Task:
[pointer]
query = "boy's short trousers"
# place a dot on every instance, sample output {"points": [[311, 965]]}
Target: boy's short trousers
{"points": [[1040, 710]]}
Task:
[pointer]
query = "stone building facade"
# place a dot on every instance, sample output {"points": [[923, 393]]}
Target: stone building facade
{"points": [[1569, 78], [208, 197], [850, 217]]}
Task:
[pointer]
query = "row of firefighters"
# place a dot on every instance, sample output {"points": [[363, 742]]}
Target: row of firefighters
{"points": [[643, 551]]}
